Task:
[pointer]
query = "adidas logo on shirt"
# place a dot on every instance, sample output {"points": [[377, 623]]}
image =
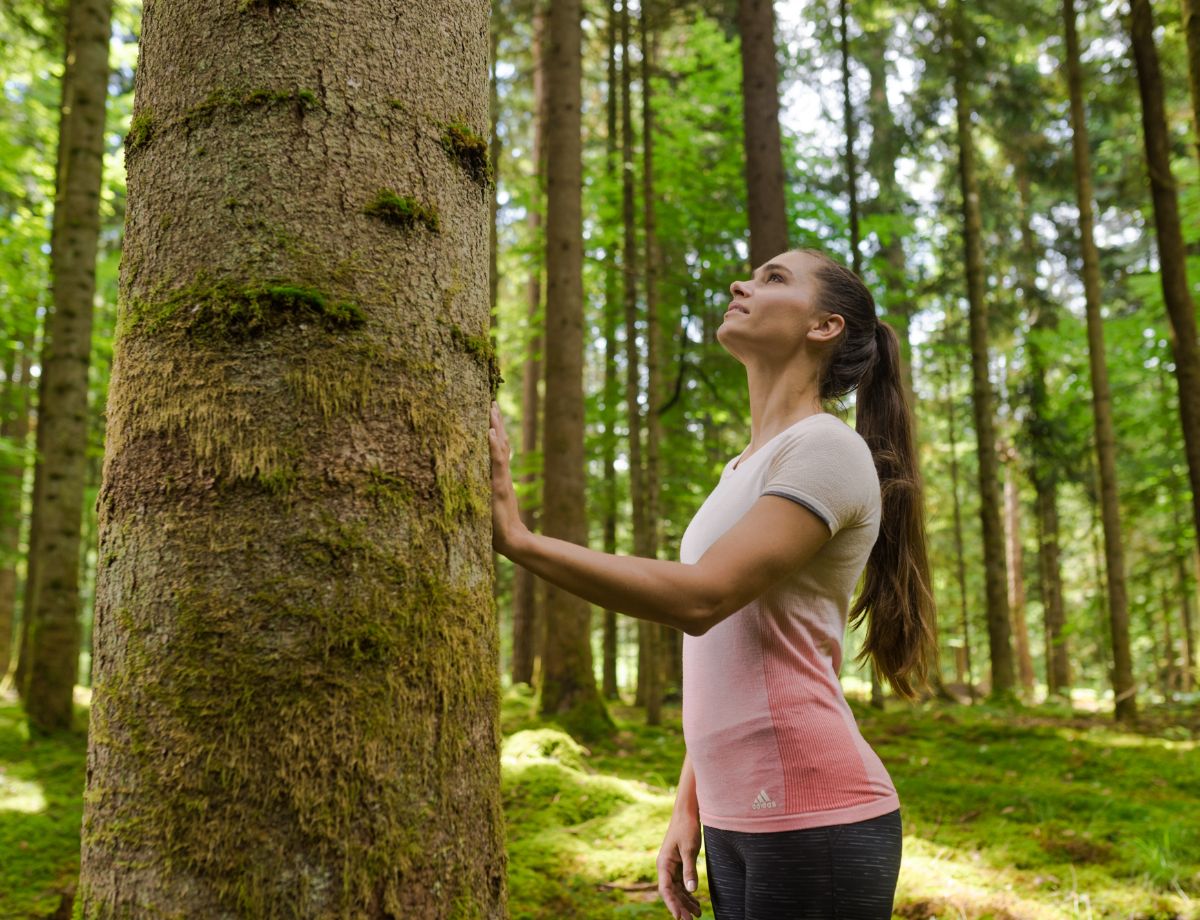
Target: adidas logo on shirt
{"points": [[763, 800]]}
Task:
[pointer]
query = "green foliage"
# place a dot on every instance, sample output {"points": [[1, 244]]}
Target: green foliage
{"points": [[404, 213]]}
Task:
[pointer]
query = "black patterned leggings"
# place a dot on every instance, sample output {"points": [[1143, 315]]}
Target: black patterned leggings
{"points": [[840, 872]]}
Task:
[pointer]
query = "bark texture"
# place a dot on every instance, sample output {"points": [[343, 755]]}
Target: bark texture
{"points": [[296, 701], [568, 689], [999, 631], [1191, 28], [53, 627], [1015, 559], [1124, 689], [760, 115]]}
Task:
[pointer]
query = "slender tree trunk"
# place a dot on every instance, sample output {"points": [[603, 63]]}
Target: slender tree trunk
{"points": [[1042, 432], [1124, 689], [1191, 28], [16, 428], [764, 148], [850, 131], [63, 408], [1186, 596], [1168, 666], [296, 703], [526, 621], [569, 691], [961, 567], [1015, 558], [1172, 255], [611, 390], [657, 633], [999, 633]]}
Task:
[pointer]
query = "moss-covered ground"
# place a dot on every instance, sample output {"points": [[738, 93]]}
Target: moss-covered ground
{"points": [[1008, 813]]}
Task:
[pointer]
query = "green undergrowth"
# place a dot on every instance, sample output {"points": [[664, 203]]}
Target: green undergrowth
{"points": [[41, 806], [1009, 813]]}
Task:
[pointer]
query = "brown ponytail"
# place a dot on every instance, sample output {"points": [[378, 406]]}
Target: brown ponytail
{"points": [[896, 596]]}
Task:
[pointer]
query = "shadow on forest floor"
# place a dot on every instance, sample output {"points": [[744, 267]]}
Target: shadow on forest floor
{"points": [[1009, 812]]}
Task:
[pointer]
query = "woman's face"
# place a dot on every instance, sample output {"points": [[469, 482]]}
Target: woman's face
{"points": [[776, 314]]}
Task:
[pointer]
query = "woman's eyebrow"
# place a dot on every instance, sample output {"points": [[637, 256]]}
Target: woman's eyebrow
{"points": [[773, 267]]}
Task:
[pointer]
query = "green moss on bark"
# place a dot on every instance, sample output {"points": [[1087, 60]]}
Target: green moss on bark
{"points": [[227, 310], [239, 98], [483, 350], [468, 150], [404, 213], [140, 129]]}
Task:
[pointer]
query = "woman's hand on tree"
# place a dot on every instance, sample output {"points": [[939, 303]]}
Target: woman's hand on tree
{"points": [[507, 525], [677, 867]]}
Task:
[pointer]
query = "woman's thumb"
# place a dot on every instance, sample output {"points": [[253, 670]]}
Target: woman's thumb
{"points": [[689, 870]]}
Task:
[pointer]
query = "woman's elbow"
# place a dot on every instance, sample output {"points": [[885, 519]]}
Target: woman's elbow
{"points": [[700, 620]]}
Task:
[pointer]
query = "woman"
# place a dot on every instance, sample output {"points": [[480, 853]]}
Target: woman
{"points": [[799, 816]]}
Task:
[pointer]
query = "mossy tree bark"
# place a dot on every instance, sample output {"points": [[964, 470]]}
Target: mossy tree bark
{"points": [[1124, 688], [14, 426], [526, 647], [982, 400], [53, 627], [568, 689], [1172, 254], [766, 202], [296, 694]]}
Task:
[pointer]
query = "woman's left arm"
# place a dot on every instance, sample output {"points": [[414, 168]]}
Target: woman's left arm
{"points": [[774, 538]]}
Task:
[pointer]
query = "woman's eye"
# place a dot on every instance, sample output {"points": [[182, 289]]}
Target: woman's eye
{"points": [[774, 275]]}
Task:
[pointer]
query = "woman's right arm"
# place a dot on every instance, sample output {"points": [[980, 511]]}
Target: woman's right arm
{"points": [[677, 857]]}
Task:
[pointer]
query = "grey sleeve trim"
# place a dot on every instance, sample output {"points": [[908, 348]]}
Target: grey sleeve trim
{"points": [[809, 505]]}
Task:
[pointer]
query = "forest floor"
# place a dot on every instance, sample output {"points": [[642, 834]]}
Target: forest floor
{"points": [[1027, 813]]}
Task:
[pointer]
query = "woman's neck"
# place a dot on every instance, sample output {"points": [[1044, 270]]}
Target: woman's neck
{"points": [[779, 397]]}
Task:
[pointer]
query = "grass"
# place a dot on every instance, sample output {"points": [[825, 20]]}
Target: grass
{"points": [[1033, 813]]}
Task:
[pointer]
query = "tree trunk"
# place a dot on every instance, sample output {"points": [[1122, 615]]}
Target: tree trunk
{"points": [[611, 389], [63, 402], [1172, 256], [1191, 27], [850, 131], [296, 704], [1124, 689], [760, 115], [568, 689], [999, 633], [526, 622], [1186, 596], [1043, 472], [1015, 558], [657, 633], [16, 428], [961, 567]]}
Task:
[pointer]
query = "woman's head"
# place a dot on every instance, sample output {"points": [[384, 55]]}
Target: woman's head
{"points": [[802, 306]]}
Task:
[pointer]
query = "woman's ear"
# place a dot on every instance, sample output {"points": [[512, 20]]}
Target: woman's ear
{"points": [[828, 327]]}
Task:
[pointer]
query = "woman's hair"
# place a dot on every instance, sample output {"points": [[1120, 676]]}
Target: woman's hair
{"points": [[902, 626]]}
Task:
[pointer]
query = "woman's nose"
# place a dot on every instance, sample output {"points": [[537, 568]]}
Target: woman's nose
{"points": [[739, 288]]}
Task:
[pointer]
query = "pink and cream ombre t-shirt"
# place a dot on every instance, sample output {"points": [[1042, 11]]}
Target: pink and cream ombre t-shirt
{"points": [[772, 740]]}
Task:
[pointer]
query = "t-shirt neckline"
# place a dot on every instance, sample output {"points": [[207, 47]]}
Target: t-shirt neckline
{"points": [[735, 464]]}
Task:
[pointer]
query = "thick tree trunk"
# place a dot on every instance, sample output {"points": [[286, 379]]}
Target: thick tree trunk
{"points": [[568, 689], [16, 428], [526, 622], [760, 115], [1172, 255], [999, 633], [657, 633], [1015, 559], [1191, 27], [63, 404], [611, 389], [1124, 689], [296, 703]]}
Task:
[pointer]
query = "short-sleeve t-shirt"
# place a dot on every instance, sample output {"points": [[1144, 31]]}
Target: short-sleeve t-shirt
{"points": [[773, 743]]}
